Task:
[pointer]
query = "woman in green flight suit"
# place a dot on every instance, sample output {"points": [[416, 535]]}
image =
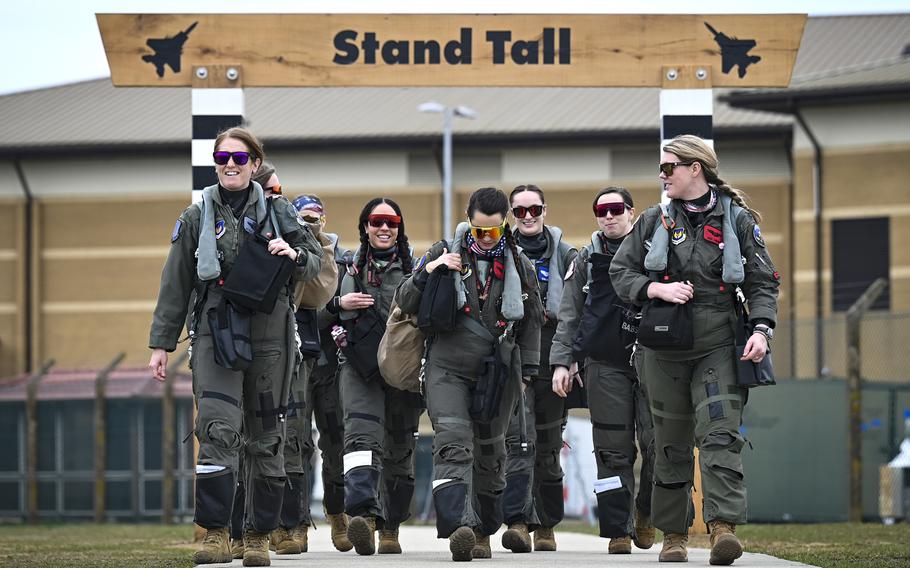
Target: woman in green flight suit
{"points": [[706, 245], [236, 409], [380, 422], [497, 300]]}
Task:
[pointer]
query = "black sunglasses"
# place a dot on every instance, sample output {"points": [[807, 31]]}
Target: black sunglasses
{"points": [[666, 168], [222, 158], [521, 211]]}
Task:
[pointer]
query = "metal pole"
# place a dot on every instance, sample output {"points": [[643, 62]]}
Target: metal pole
{"points": [[31, 441], [169, 440], [817, 210], [855, 396], [447, 172], [101, 436]]}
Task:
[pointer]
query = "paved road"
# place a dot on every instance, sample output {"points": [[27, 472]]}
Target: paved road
{"points": [[422, 548]]}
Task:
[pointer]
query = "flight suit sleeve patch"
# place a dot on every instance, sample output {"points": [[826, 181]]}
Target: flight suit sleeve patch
{"points": [[570, 273], [756, 234], [420, 262], [543, 270], [178, 230]]}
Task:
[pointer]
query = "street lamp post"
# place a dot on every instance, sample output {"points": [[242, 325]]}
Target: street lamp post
{"points": [[447, 114]]}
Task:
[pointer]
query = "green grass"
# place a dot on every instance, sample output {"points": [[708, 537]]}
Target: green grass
{"points": [[82, 545], [826, 545], [832, 545], [79, 545]]}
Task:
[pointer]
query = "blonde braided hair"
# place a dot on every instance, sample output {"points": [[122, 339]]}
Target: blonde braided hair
{"points": [[690, 148]]}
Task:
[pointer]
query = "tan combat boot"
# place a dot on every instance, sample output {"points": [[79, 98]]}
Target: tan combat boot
{"points": [[461, 544], [620, 545], [339, 525], [237, 548], [674, 549], [517, 538], [281, 542], [255, 548], [362, 533], [725, 546], [388, 542], [644, 530], [216, 547], [481, 546], [544, 540], [298, 535]]}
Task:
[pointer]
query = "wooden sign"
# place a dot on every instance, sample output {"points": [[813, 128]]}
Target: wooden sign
{"points": [[358, 50]]}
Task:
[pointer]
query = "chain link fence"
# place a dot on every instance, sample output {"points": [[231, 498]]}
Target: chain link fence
{"points": [[884, 348]]}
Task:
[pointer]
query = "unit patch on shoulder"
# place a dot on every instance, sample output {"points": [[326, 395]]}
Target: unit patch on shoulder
{"points": [[756, 234], [176, 233], [543, 271], [219, 228], [678, 235]]}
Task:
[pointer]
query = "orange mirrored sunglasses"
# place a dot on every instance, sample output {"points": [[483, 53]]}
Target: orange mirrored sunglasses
{"points": [[494, 233]]}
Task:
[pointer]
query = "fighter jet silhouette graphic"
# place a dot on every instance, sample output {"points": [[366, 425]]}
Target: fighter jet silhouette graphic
{"points": [[735, 52], [167, 51]]}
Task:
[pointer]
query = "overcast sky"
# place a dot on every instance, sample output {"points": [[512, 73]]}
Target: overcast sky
{"points": [[53, 42]]}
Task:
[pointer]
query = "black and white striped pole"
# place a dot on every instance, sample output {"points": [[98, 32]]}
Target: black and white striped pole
{"points": [[686, 104], [217, 105]]}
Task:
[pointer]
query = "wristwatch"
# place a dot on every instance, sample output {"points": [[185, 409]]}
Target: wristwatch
{"points": [[765, 330]]}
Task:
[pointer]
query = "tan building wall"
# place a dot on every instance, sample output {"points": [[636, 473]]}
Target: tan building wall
{"points": [[857, 182], [12, 285]]}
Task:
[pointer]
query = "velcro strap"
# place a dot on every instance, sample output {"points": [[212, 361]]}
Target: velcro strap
{"points": [[454, 420], [615, 427], [220, 396], [672, 415], [364, 416], [718, 398], [548, 425], [490, 441]]}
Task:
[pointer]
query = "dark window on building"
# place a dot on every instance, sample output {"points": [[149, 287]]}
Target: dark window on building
{"points": [[119, 496], [47, 436], [861, 254], [78, 496], [119, 436], [78, 436], [153, 495], [9, 496], [9, 436], [47, 495], [152, 447], [189, 500]]}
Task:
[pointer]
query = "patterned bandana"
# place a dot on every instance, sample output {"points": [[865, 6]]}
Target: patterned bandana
{"points": [[694, 206], [497, 251], [377, 264], [310, 204]]}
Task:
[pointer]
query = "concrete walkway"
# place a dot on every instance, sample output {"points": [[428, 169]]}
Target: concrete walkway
{"points": [[422, 548]]}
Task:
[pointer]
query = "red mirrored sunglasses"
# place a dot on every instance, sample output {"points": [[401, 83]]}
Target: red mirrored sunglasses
{"points": [[390, 221], [615, 209]]}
